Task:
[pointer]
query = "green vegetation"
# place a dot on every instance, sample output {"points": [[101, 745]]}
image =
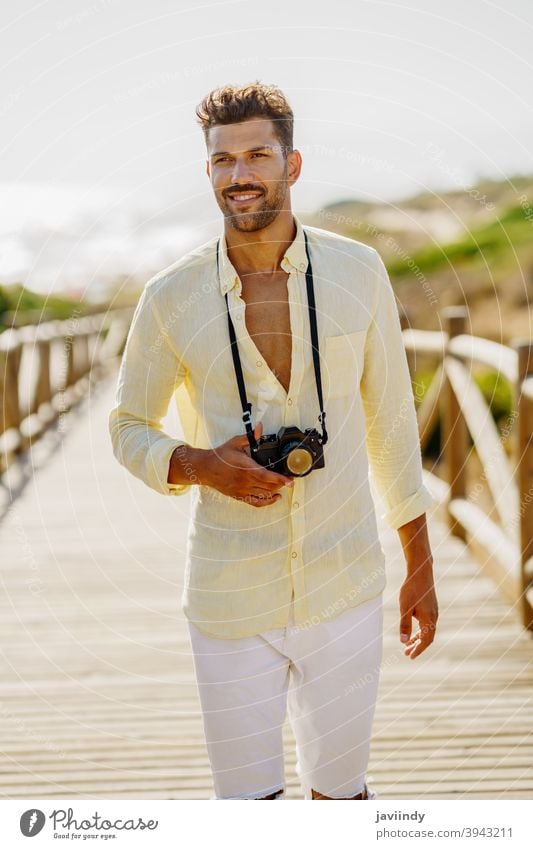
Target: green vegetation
{"points": [[497, 392], [20, 306], [470, 246], [496, 239]]}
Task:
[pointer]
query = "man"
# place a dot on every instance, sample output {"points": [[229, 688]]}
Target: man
{"points": [[285, 572]]}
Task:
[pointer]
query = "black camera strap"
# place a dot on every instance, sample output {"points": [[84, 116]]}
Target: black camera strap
{"points": [[314, 341], [246, 405]]}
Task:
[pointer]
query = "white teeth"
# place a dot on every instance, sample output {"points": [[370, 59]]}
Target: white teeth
{"points": [[244, 197]]}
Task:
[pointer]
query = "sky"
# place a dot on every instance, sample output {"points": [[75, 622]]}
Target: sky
{"points": [[97, 105]]}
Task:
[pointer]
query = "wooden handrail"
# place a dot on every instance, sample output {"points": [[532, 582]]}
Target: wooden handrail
{"points": [[45, 368], [502, 543], [473, 348], [453, 430], [478, 418], [525, 475]]}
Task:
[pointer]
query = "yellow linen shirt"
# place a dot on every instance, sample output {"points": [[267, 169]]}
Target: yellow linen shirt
{"points": [[318, 545]]}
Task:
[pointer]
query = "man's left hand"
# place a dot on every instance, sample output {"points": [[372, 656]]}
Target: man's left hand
{"points": [[418, 599]]}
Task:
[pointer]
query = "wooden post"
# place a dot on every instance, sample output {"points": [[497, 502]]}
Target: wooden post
{"points": [[44, 390], [524, 469], [454, 433], [69, 341], [10, 415], [405, 324], [10, 359], [83, 353]]}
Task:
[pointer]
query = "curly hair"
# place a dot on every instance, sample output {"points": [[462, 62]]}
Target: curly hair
{"points": [[231, 104]]}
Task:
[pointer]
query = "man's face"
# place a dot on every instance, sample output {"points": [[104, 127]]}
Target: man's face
{"points": [[249, 174]]}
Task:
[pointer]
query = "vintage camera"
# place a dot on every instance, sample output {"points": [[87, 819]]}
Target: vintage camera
{"points": [[290, 452]]}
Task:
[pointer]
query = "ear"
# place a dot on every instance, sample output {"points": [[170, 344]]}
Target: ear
{"points": [[207, 168], [294, 166]]}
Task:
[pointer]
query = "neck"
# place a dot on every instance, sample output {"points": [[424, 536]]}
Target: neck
{"points": [[262, 250]]}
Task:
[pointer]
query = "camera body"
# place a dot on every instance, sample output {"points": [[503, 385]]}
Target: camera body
{"points": [[290, 451]]}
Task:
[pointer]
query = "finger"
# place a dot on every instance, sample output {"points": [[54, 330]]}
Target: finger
{"points": [[260, 492], [409, 649], [241, 440], [412, 642], [426, 635], [257, 432], [256, 501], [259, 477], [406, 624], [259, 500], [271, 480], [418, 649]]}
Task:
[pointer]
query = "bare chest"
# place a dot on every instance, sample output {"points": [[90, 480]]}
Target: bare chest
{"points": [[267, 318]]}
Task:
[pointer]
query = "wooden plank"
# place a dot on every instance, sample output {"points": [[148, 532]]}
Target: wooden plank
{"points": [[428, 411], [480, 423], [501, 358], [498, 555], [425, 341]]}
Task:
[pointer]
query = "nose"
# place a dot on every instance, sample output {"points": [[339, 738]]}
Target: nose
{"points": [[241, 172]]}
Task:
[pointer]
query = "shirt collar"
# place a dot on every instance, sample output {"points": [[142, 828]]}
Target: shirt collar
{"points": [[295, 258]]}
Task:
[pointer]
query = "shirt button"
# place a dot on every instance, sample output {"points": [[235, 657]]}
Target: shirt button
{"points": [[259, 363], [302, 266], [295, 503], [294, 554], [289, 401]]}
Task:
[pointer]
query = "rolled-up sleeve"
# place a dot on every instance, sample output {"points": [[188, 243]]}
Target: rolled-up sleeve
{"points": [[150, 372], [392, 436]]}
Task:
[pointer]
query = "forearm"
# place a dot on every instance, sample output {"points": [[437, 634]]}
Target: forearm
{"points": [[189, 465], [415, 543]]}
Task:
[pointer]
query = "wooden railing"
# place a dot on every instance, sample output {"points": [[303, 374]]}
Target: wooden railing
{"points": [[45, 368], [501, 537]]}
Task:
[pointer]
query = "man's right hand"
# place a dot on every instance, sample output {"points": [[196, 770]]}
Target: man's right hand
{"points": [[229, 469]]}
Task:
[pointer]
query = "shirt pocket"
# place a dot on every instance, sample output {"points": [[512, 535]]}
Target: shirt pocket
{"points": [[344, 357]]}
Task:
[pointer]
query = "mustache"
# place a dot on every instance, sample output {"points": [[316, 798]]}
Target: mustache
{"points": [[247, 188]]}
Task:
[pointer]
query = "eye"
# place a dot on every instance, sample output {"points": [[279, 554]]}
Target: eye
{"points": [[256, 153], [221, 159]]}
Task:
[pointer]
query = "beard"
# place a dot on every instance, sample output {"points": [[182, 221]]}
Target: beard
{"points": [[267, 210]]}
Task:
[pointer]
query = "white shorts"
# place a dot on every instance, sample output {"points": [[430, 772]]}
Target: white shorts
{"points": [[328, 673]]}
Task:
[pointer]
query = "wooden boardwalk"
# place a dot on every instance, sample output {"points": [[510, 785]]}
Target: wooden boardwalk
{"points": [[98, 693]]}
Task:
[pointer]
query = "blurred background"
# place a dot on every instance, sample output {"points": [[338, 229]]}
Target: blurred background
{"points": [[414, 123], [414, 120]]}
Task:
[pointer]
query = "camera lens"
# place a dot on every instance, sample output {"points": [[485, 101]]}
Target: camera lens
{"points": [[298, 458]]}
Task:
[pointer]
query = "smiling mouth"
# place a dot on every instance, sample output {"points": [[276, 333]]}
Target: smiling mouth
{"points": [[244, 197]]}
